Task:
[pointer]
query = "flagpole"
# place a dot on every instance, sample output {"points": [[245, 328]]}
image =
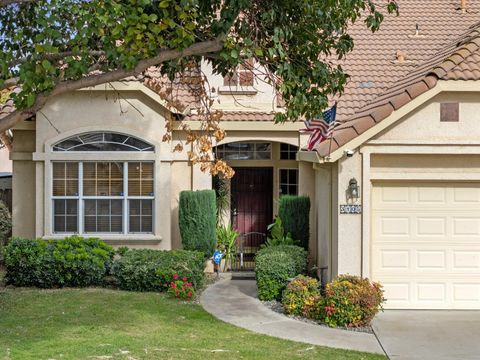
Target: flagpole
{"points": [[331, 134]]}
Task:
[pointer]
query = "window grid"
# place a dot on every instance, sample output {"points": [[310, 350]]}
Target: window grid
{"points": [[243, 150], [124, 198], [288, 152], [288, 182]]}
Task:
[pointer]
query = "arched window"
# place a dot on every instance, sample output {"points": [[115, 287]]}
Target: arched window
{"points": [[104, 196], [102, 141]]}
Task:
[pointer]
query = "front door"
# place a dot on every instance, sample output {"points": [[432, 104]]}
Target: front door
{"points": [[252, 202]]}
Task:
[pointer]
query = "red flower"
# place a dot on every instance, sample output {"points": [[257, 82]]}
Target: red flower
{"points": [[173, 285], [184, 278], [189, 294], [188, 285], [176, 291], [175, 276]]}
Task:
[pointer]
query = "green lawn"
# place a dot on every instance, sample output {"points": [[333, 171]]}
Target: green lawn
{"points": [[109, 324]]}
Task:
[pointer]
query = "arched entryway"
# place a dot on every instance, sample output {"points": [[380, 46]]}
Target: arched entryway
{"points": [[264, 170]]}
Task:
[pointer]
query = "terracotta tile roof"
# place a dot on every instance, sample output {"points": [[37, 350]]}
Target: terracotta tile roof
{"points": [[240, 116], [8, 107], [454, 59]]}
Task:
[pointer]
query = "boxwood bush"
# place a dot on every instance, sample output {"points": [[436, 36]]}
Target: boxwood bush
{"points": [[274, 265], [153, 270], [198, 220], [73, 261]]}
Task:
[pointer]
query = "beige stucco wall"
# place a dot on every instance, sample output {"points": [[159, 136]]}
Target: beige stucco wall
{"points": [[416, 147], [23, 184], [133, 110], [5, 162]]}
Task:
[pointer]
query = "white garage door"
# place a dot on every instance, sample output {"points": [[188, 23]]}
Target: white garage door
{"points": [[426, 244]]}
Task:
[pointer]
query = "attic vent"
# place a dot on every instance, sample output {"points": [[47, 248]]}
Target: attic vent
{"points": [[449, 112]]}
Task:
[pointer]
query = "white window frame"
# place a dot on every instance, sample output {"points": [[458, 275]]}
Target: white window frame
{"points": [[81, 199], [280, 179]]}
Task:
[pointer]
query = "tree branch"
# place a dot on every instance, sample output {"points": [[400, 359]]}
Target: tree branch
{"points": [[197, 49], [56, 57], [9, 2], [9, 83], [6, 140]]}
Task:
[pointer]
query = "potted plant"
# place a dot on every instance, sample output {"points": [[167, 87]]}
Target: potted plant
{"points": [[226, 238]]}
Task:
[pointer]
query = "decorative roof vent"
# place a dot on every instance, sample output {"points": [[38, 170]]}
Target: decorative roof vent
{"points": [[401, 56]]}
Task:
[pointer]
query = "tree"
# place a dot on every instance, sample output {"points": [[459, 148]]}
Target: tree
{"points": [[49, 47]]}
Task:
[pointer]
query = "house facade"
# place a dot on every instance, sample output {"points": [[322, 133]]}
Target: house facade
{"points": [[395, 192]]}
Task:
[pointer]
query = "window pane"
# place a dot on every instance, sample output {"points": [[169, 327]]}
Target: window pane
{"points": [[103, 216], [65, 217], [288, 182], [100, 141], [134, 224], [140, 216], [103, 179], [65, 179], [140, 179]]}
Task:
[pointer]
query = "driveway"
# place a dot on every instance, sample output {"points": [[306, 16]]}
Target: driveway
{"points": [[436, 335]]}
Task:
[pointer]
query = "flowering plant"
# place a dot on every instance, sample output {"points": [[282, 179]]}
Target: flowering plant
{"points": [[181, 288], [351, 301], [301, 293]]}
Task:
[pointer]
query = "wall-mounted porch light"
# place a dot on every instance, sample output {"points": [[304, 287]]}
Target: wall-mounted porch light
{"points": [[353, 190]]}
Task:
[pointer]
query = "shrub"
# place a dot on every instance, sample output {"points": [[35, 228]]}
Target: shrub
{"points": [[197, 220], [300, 292], [295, 214], [153, 270], [274, 265], [5, 224], [73, 261], [351, 301], [180, 288]]}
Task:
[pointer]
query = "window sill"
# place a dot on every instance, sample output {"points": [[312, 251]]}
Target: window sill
{"points": [[237, 90], [115, 239]]}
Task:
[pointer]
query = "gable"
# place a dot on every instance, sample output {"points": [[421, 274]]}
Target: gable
{"points": [[424, 124]]}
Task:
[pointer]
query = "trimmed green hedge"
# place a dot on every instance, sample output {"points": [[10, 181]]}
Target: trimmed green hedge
{"points": [[73, 261], [295, 214], [274, 265], [153, 270], [197, 219]]}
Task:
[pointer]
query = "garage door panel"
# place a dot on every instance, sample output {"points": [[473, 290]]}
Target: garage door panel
{"points": [[426, 244]]}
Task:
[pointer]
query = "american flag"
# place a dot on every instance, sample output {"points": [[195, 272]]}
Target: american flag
{"points": [[320, 129]]}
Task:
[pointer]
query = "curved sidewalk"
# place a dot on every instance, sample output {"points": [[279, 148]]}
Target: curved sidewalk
{"points": [[236, 302]]}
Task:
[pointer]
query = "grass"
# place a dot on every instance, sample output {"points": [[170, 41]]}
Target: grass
{"points": [[108, 324]]}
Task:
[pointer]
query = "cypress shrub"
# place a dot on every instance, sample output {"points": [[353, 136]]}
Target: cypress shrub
{"points": [[197, 219], [294, 211]]}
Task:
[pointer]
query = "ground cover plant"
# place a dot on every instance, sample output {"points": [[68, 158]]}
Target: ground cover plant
{"points": [[98, 324]]}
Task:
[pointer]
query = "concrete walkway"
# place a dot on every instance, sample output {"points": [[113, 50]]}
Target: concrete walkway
{"points": [[236, 302]]}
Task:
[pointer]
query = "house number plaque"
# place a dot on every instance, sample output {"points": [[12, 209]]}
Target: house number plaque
{"points": [[350, 209]]}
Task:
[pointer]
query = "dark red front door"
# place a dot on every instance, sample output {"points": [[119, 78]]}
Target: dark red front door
{"points": [[252, 201]]}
